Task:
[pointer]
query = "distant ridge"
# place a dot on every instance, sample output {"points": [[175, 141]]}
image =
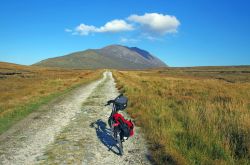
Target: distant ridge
{"points": [[110, 57]]}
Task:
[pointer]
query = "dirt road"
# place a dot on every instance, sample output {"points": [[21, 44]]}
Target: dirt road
{"points": [[72, 130]]}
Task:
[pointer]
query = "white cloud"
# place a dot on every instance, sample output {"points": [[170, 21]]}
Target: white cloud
{"points": [[113, 26], [157, 23], [150, 37], [83, 29], [68, 30], [128, 40], [149, 26], [116, 25]]}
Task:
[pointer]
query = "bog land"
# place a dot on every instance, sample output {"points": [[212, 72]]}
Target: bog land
{"points": [[197, 115], [23, 88]]}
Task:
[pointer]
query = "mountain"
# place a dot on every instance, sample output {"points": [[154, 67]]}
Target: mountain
{"points": [[113, 56]]}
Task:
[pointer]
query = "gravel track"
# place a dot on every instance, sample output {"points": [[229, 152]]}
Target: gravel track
{"points": [[72, 130]]}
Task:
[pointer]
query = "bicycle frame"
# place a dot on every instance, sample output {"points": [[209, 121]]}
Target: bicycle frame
{"points": [[116, 131], [113, 109]]}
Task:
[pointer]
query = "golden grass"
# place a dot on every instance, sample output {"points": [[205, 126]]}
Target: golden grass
{"points": [[189, 118], [24, 87]]}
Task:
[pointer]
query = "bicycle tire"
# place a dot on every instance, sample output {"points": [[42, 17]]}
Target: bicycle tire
{"points": [[119, 142]]}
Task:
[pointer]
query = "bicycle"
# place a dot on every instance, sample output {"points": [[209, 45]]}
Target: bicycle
{"points": [[119, 103]]}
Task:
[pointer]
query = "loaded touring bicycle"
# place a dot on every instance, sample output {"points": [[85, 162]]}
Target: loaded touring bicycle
{"points": [[121, 128]]}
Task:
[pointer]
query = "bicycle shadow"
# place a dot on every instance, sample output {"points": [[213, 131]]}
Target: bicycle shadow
{"points": [[105, 135]]}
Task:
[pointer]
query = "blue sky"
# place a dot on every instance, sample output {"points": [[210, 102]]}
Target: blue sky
{"points": [[181, 33]]}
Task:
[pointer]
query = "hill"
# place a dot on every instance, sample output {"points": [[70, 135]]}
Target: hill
{"points": [[113, 56]]}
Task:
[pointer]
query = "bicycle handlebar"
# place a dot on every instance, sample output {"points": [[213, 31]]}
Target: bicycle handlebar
{"points": [[109, 102], [112, 101]]}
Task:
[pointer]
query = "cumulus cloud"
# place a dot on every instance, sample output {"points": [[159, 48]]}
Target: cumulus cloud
{"points": [[149, 26], [83, 29], [156, 23], [113, 26]]}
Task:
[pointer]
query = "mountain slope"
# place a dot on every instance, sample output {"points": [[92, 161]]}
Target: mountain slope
{"points": [[113, 56]]}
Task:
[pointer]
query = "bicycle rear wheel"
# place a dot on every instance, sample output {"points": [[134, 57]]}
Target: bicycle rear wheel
{"points": [[119, 143]]}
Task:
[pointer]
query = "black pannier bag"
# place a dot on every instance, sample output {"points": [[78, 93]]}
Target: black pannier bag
{"points": [[121, 102], [124, 129]]}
